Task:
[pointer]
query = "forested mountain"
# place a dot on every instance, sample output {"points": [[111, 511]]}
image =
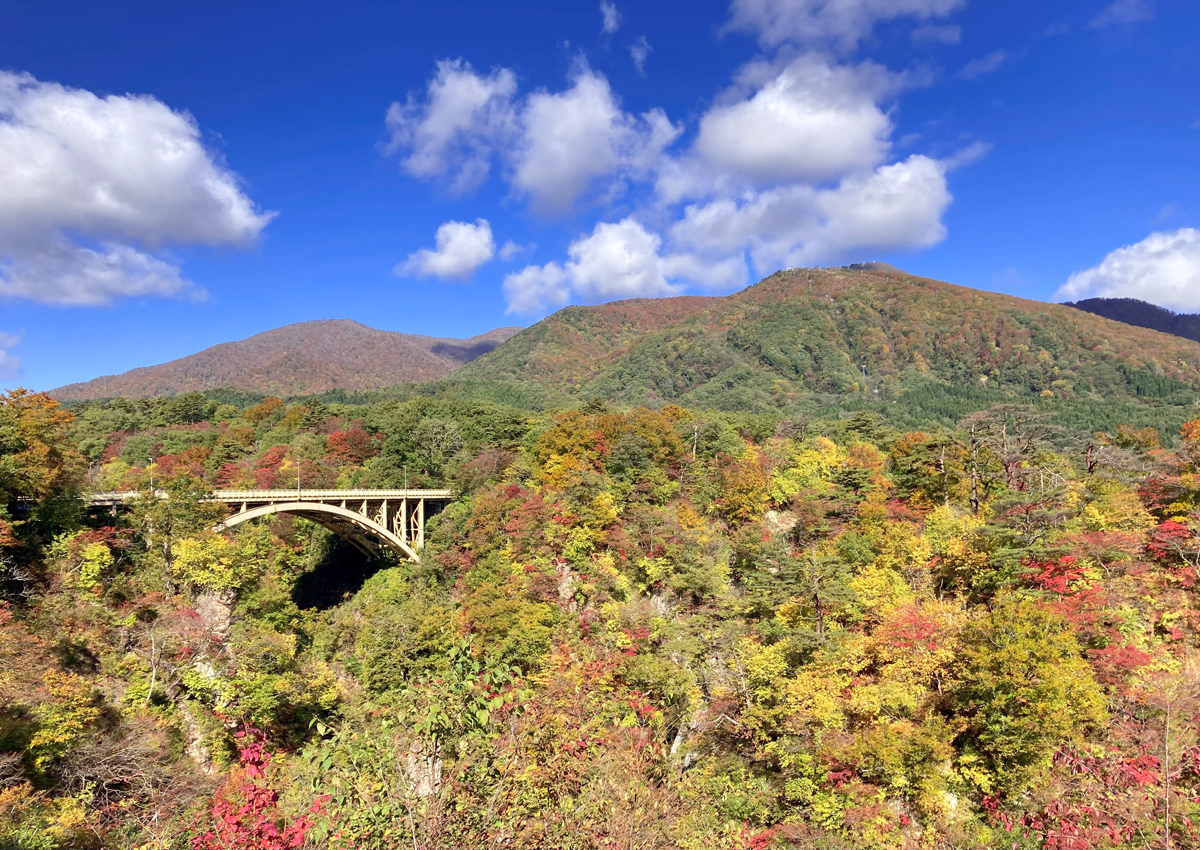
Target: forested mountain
{"points": [[870, 333], [863, 337], [1133, 311], [300, 359]]}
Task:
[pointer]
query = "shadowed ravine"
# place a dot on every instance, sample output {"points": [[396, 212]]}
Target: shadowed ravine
{"points": [[339, 574]]}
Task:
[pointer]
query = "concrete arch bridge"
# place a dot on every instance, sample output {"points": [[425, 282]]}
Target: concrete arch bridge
{"points": [[373, 520]]}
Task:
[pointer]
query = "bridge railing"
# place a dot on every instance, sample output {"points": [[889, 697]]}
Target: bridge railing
{"points": [[279, 495], [116, 497]]}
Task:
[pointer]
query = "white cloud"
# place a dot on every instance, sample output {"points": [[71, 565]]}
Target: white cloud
{"points": [[1164, 269], [707, 272], [984, 65], [935, 34], [894, 207], [511, 249], [639, 51], [617, 260], [789, 166], [966, 156], [536, 288], [558, 146], [454, 130], [89, 184], [572, 138], [10, 365], [62, 272], [812, 121], [841, 22], [612, 18], [461, 249], [1124, 12]]}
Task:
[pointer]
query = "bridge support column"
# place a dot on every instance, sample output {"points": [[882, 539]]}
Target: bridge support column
{"points": [[404, 520], [420, 524]]}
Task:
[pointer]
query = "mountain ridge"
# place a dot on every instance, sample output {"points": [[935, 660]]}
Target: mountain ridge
{"points": [[1142, 314], [870, 330], [298, 359], [862, 333]]}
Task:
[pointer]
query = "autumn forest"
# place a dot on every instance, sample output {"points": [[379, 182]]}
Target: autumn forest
{"points": [[645, 621]]}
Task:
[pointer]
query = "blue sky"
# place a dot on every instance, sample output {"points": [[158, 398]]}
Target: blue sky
{"points": [[177, 175]]}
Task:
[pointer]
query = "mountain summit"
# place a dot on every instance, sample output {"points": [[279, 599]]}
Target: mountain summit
{"points": [[870, 332], [308, 357]]}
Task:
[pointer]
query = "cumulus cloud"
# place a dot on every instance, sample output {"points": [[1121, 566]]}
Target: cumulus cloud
{"points": [[610, 16], [1124, 12], [639, 51], [843, 23], [791, 165], [91, 187], [452, 132], [894, 207], [557, 145], [572, 138], [62, 272], [536, 288], [812, 121], [461, 249], [617, 260], [10, 365], [1164, 269], [984, 65], [935, 34]]}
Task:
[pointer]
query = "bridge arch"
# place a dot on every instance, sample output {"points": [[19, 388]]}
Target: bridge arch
{"points": [[366, 534]]}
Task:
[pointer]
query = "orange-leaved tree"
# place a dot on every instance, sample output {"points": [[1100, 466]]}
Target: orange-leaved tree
{"points": [[40, 468]]}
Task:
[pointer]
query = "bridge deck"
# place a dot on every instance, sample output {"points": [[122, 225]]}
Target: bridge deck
{"points": [[394, 518], [118, 497]]}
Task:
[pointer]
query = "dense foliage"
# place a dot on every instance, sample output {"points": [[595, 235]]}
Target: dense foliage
{"points": [[1133, 311], [634, 628]]}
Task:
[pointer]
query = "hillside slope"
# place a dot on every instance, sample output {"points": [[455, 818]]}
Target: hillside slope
{"points": [[871, 333], [1133, 311], [309, 357]]}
